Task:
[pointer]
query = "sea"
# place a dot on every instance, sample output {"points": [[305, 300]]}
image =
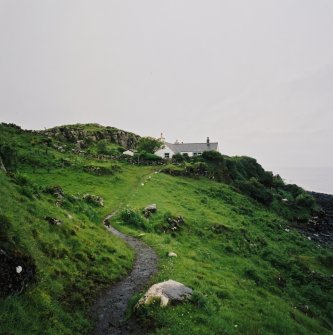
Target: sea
{"points": [[316, 179]]}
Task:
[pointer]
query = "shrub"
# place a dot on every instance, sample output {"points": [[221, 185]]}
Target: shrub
{"points": [[305, 200], [212, 156], [149, 144], [255, 190], [293, 189], [178, 158], [133, 218], [102, 147], [8, 155], [146, 156]]}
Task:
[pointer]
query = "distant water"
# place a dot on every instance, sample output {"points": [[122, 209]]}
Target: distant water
{"points": [[317, 179]]}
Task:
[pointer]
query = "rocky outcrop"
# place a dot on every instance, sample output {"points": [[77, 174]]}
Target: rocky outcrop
{"points": [[83, 135], [319, 227], [168, 292]]}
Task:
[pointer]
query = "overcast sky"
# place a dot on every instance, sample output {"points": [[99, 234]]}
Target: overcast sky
{"points": [[256, 76]]}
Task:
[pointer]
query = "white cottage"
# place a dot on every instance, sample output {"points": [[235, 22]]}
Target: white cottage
{"points": [[191, 149]]}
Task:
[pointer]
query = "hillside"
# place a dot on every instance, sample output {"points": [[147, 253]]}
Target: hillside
{"points": [[238, 248]]}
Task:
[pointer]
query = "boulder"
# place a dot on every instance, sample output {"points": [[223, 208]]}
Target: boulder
{"points": [[167, 292], [172, 254], [149, 210]]}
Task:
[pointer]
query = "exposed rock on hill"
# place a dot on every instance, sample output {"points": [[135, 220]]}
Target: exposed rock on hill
{"points": [[149, 210], [89, 133], [319, 228]]}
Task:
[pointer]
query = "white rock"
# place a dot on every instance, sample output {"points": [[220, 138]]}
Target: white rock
{"points": [[19, 269], [309, 238], [172, 254], [287, 230], [167, 292]]}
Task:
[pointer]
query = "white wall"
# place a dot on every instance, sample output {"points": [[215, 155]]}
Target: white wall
{"points": [[166, 149]]}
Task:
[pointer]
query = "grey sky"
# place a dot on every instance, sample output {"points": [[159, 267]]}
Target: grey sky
{"points": [[257, 75]]}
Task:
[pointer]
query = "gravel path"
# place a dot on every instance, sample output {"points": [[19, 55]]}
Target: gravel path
{"points": [[109, 310]]}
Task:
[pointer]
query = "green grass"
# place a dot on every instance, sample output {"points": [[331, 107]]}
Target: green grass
{"points": [[249, 275], [74, 260], [236, 272]]}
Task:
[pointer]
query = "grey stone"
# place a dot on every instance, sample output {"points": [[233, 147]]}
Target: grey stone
{"points": [[168, 292]]}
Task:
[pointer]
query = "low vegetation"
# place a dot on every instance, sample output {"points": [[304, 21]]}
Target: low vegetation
{"points": [[226, 218]]}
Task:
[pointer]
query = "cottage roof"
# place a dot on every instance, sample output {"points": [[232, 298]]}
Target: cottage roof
{"points": [[192, 147]]}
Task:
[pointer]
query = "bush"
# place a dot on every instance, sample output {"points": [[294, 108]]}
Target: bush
{"points": [[293, 189], [244, 168], [8, 155], [102, 147], [133, 218], [178, 158], [149, 144], [255, 190], [305, 200], [148, 157], [212, 156]]}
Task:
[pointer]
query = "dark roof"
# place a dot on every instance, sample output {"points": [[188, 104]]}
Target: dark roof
{"points": [[192, 147]]}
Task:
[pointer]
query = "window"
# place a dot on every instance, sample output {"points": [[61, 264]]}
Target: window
{"points": [[199, 153], [194, 153], [166, 155]]}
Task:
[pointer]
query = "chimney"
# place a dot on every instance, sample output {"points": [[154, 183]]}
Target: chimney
{"points": [[208, 141]]}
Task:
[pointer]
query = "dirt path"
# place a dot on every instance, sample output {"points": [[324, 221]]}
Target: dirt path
{"points": [[109, 310]]}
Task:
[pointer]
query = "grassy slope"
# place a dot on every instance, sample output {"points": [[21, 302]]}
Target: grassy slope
{"points": [[235, 274], [73, 260]]}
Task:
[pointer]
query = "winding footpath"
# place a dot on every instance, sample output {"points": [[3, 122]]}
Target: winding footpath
{"points": [[109, 310]]}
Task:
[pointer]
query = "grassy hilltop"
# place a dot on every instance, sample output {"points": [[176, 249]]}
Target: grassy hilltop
{"points": [[251, 271]]}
